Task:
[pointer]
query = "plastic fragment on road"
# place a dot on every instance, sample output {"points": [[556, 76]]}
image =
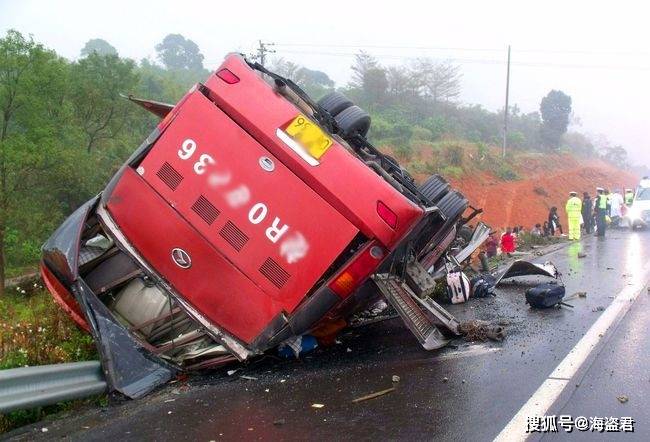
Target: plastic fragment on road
{"points": [[525, 268]]}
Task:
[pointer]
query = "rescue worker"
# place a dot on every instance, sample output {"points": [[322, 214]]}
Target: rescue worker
{"points": [[629, 197], [616, 203], [574, 214], [601, 209], [587, 213]]}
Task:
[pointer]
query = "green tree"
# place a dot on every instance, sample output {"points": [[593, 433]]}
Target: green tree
{"points": [[98, 81], [438, 82], [370, 79], [615, 155], [98, 46], [32, 121], [177, 52], [555, 109]]}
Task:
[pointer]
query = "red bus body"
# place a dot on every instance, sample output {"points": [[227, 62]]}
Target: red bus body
{"points": [[255, 242]]}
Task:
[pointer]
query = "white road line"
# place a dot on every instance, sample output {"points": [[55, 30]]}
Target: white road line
{"points": [[541, 401]]}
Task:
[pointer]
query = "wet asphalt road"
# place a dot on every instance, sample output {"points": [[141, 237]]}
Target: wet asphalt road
{"points": [[468, 391]]}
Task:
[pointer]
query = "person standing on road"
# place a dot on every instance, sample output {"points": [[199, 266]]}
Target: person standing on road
{"points": [[508, 242], [587, 213], [491, 245], [574, 214], [601, 209], [616, 203], [554, 221]]}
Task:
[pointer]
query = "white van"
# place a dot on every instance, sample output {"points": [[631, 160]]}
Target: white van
{"points": [[638, 215]]}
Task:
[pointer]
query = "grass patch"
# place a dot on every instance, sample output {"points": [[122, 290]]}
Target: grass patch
{"points": [[451, 172], [35, 331], [526, 240]]}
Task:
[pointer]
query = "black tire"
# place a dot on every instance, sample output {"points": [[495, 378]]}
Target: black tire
{"points": [[353, 121], [452, 205], [334, 103], [434, 188]]}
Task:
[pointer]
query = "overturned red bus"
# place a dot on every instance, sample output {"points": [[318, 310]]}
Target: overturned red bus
{"points": [[249, 216]]}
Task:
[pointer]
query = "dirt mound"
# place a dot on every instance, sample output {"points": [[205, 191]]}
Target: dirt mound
{"points": [[545, 181]]}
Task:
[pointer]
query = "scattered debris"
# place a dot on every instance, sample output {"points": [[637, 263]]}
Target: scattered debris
{"points": [[232, 372], [482, 286], [546, 295], [582, 255], [480, 234], [373, 395], [600, 308], [251, 378], [296, 346], [524, 268], [576, 295], [623, 398], [445, 379], [317, 405], [279, 422], [396, 378], [477, 330]]}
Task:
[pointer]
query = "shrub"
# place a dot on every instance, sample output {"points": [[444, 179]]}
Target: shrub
{"points": [[35, 331], [482, 150], [540, 191], [404, 150], [421, 133], [454, 155], [505, 172]]}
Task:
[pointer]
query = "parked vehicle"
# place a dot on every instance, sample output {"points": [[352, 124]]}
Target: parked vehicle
{"points": [[638, 214], [249, 216]]}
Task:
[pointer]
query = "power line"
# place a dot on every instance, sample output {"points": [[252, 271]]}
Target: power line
{"points": [[468, 49], [474, 61], [262, 50]]}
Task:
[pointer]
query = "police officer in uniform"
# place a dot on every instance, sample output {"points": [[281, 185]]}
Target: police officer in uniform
{"points": [[601, 209], [629, 197], [574, 213]]}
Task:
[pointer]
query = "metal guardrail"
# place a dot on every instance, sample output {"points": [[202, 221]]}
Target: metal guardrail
{"points": [[31, 387]]}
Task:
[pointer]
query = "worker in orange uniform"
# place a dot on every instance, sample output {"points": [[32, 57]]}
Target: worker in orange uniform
{"points": [[574, 213]]}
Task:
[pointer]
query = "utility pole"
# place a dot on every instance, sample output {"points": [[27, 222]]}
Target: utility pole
{"points": [[505, 113], [262, 50]]}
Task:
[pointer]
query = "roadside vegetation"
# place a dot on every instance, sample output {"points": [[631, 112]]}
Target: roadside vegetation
{"points": [[35, 331]]}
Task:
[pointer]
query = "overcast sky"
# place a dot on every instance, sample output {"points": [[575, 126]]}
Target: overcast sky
{"points": [[597, 52]]}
